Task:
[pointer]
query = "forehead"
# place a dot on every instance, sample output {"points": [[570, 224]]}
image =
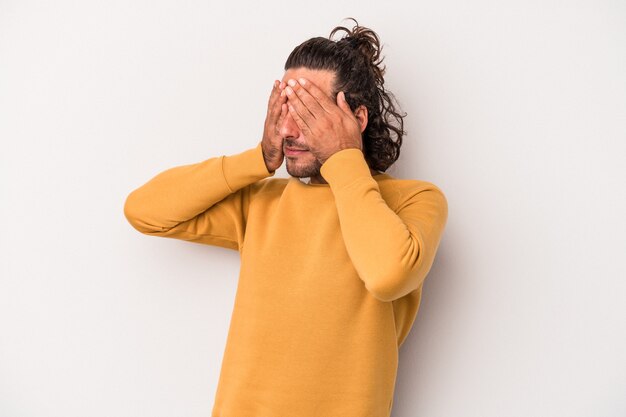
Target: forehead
{"points": [[322, 78]]}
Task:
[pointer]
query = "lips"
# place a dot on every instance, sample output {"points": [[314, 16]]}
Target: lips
{"points": [[294, 151]]}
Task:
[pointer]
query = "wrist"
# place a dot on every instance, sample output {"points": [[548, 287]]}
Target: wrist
{"points": [[266, 159]]}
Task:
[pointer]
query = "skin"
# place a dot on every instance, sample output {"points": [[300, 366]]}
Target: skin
{"points": [[303, 115]]}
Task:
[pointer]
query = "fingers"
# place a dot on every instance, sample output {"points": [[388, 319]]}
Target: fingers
{"points": [[276, 100], [297, 92], [300, 111], [284, 110], [343, 104], [303, 125], [299, 118], [306, 88], [273, 94], [276, 95]]}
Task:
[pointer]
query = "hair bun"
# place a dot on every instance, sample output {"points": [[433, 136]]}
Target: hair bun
{"points": [[366, 42]]}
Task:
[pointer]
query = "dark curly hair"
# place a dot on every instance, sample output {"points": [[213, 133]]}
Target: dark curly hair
{"points": [[356, 62]]}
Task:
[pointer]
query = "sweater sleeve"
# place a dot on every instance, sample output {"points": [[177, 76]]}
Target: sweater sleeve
{"points": [[392, 250], [206, 202]]}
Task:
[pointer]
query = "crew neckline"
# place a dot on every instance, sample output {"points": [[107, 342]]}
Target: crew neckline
{"points": [[377, 177]]}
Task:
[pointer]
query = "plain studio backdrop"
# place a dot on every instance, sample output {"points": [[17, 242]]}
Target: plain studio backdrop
{"points": [[516, 110]]}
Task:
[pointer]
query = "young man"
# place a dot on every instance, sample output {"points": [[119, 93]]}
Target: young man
{"points": [[331, 269]]}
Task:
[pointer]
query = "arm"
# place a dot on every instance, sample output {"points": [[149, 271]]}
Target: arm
{"points": [[205, 202], [392, 252]]}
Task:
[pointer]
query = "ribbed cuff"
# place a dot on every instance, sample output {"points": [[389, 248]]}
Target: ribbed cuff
{"points": [[345, 167], [245, 168]]}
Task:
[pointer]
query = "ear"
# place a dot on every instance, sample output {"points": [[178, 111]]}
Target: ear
{"points": [[362, 116]]}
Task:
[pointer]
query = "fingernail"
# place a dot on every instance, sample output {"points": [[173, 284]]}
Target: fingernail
{"points": [[291, 83], [302, 81], [289, 90]]}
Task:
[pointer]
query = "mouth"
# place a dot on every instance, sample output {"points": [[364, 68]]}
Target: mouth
{"points": [[294, 151]]}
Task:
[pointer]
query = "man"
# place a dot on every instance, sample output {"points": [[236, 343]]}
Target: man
{"points": [[331, 270]]}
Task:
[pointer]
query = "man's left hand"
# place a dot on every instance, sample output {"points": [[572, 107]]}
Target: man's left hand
{"points": [[328, 127]]}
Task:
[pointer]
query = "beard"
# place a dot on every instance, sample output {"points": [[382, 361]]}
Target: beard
{"points": [[298, 168]]}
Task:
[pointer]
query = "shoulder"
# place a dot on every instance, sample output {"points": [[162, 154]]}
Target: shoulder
{"points": [[408, 185], [401, 192]]}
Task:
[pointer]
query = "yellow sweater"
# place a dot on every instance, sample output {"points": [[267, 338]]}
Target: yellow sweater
{"points": [[330, 281]]}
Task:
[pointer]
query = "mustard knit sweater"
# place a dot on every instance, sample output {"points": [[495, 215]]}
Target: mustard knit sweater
{"points": [[330, 281]]}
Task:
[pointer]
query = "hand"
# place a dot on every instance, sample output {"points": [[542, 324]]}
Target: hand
{"points": [[272, 143], [328, 126]]}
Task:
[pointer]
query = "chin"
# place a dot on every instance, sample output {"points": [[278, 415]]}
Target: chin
{"points": [[303, 170]]}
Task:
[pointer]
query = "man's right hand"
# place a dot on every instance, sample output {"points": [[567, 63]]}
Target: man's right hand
{"points": [[272, 143]]}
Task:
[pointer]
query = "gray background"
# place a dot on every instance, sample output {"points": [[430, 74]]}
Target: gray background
{"points": [[517, 110]]}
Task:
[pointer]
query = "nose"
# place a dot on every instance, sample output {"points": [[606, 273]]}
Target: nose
{"points": [[288, 128]]}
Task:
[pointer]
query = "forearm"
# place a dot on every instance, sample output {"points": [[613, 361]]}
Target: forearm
{"points": [[392, 252], [181, 193]]}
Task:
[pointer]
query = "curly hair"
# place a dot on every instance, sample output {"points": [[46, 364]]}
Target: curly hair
{"points": [[357, 64]]}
